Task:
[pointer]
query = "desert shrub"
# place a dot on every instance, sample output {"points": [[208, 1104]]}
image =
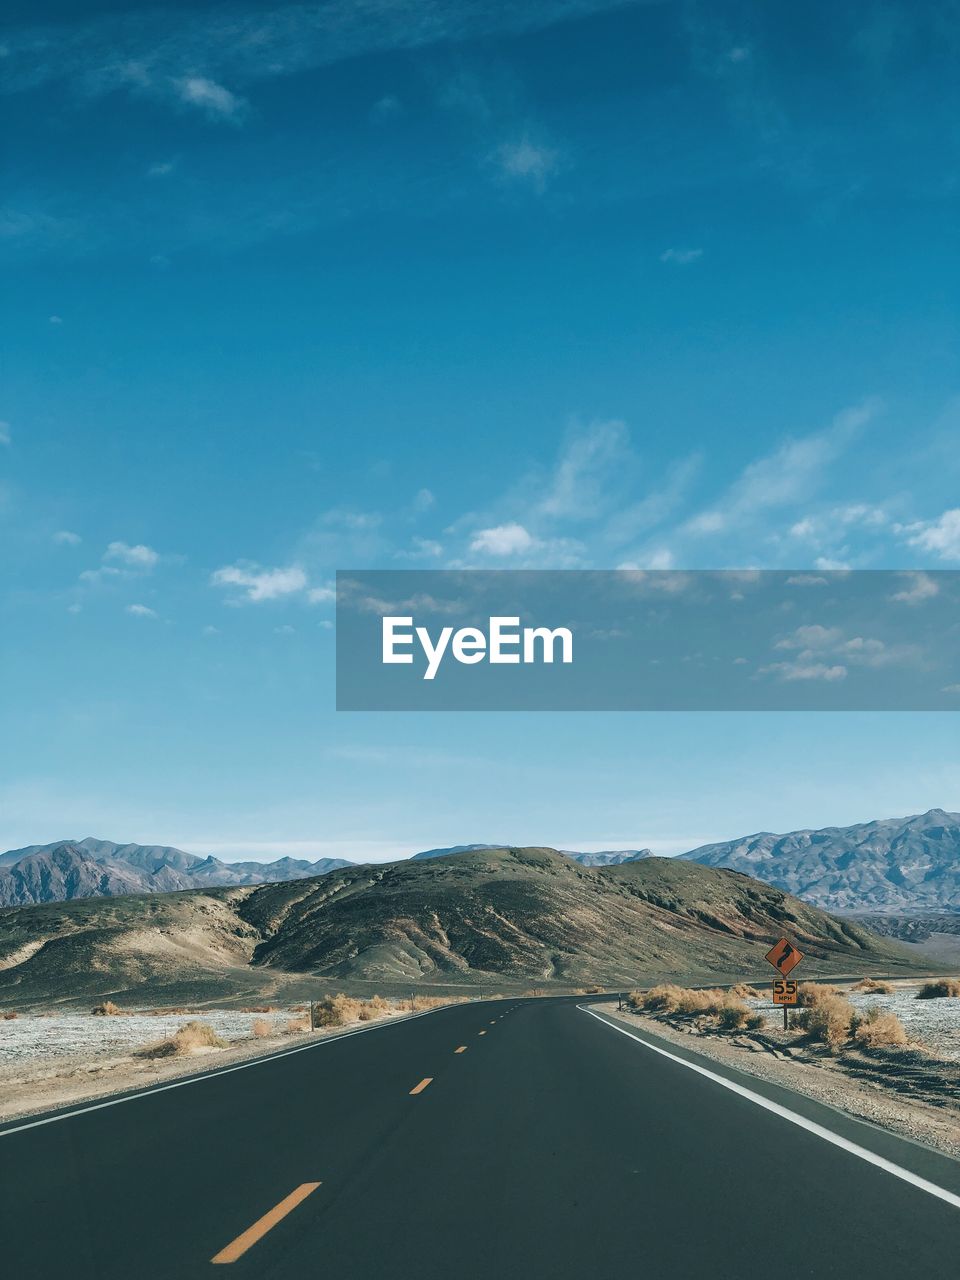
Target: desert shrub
{"points": [[375, 1007], [417, 1004], [10, 1017], [874, 986], [191, 1037], [814, 993], [664, 998], [107, 1010], [635, 999], [258, 1008], [743, 991], [942, 987], [336, 1011], [733, 1015], [876, 1027], [828, 1019], [261, 1027], [296, 1025]]}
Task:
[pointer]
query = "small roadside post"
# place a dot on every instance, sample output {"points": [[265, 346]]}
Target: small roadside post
{"points": [[784, 957]]}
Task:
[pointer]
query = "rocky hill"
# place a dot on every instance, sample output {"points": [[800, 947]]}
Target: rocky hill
{"points": [[513, 917], [889, 866], [602, 858]]}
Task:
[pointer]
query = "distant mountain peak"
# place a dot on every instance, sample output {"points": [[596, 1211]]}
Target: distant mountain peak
{"points": [[887, 865]]}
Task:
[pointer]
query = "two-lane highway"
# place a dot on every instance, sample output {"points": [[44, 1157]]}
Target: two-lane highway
{"points": [[525, 1139]]}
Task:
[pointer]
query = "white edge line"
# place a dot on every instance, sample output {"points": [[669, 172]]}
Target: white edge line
{"points": [[218, 1071], [931, 1188]]}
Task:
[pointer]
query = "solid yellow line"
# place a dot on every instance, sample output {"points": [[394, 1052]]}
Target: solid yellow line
{"points": [[236, 1248], [462, 1049], [419, 1088]]}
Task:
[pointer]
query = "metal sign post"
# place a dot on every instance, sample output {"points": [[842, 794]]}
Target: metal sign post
{"points": [[784, 957]]}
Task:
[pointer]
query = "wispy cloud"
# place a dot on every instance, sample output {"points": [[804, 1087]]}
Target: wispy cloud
{"points": [[786, 476], [67, 538], [141, 611], [5, 433], [681, 257], [119, 561], [214, 100], [524, 160], [145, 52]]}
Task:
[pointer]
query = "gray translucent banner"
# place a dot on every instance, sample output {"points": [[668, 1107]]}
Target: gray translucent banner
{"points": [[625, 640]]}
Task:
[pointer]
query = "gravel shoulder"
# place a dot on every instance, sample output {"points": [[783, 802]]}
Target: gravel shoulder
{"points": [[32, 1083], [908, 1091]]}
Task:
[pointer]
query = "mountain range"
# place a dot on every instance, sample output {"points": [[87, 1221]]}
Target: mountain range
{"points": [[67, 869], [887, 866], [507, 917], [88, 868]]}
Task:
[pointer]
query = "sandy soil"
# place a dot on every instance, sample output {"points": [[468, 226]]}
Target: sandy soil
{"points": [[96, 1056], [910, 1092]]}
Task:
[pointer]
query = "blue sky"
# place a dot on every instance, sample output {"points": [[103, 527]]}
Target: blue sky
{"points": [[306, 287]]}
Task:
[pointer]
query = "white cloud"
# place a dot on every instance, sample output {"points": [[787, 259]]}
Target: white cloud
{"points": [[138, 557], [4, 432], [423, 500], [920, 587], [210, 631], [66, 538], [811, 637], [658, 559], [161, 169], [941, 537], [829, 565], [950, 688], [285, 630], [259, 584], [141, 611], [502, 540], [681, 257], [802, 670], [321, 595], [806, 580], [217, 102], [55, 320]]}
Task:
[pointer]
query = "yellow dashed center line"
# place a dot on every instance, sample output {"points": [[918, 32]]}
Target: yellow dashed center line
{"points": [[462, 1049], [419, 1088], [236, 1248]]}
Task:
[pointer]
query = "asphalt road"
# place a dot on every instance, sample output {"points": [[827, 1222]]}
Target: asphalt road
{"points": [[551, 1147]]}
